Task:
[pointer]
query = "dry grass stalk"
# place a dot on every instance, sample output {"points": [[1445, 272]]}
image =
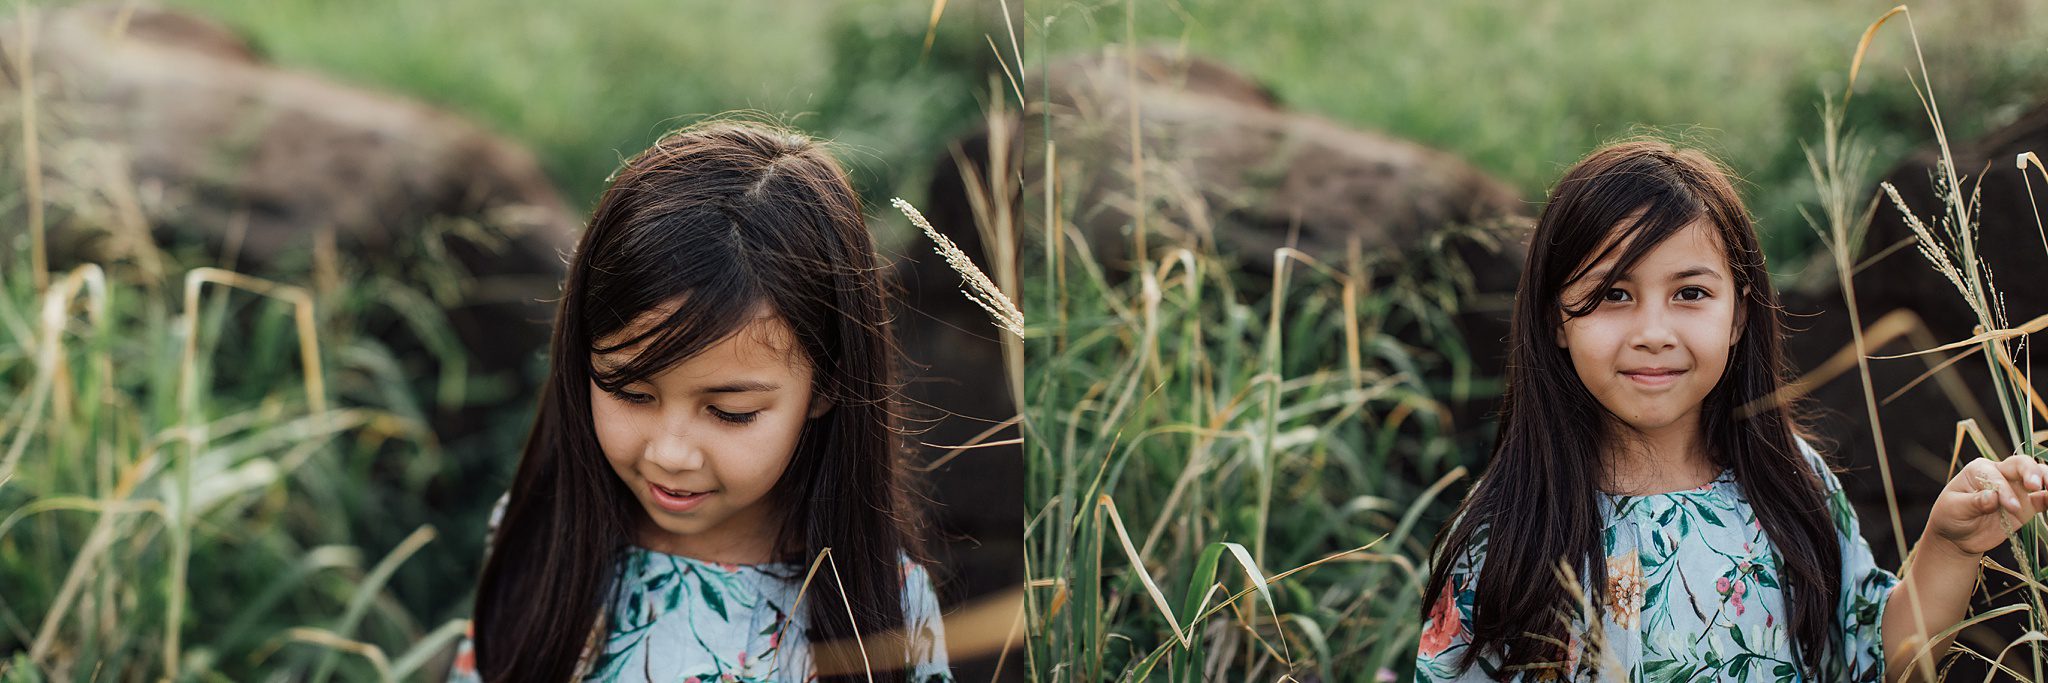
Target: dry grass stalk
{"points": [[977, 286]]}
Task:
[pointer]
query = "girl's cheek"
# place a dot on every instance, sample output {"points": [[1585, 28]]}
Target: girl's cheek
{"points": [[616, 432]]}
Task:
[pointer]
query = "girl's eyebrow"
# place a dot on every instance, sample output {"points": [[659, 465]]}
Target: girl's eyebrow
{"points": [[743, 386], [1695, 271]]}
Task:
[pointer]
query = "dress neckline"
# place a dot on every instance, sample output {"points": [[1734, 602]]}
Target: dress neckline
{"points": [[1724, 476], [771, 568]]}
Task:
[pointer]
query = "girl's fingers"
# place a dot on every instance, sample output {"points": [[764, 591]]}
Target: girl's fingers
{"points": [[2026, 477], [2027, 474]]}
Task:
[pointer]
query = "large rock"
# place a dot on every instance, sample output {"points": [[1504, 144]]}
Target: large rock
{"points": [[209, 139], [1227, 167], [1226, 164]]}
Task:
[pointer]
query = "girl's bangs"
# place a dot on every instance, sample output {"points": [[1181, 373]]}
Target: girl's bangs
{"points": [[702, 318], [1656, 221]]}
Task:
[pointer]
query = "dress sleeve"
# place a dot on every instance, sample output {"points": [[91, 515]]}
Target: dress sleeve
{"points": [[1447, 627], [463, 670], [923, 624], [1866, 587]]}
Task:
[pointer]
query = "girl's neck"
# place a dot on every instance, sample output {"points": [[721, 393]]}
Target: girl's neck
{"points": [[737, 542], [1673, 458]]}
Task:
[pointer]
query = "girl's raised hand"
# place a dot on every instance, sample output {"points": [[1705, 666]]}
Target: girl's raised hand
{"points": [[1988, 500]]}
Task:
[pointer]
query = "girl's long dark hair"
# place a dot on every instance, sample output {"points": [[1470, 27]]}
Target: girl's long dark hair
{"points": [[722, 218], [1537, 505]]}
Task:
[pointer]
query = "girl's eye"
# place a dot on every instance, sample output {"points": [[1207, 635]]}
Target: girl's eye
{"points": [[732, 418], [633, 397], [1615, 295], [1697, 294]]}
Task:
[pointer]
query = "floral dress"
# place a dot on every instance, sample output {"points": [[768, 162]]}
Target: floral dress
{"points": [[674, 618], [1693, 594]]}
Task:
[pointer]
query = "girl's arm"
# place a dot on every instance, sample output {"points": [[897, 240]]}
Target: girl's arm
{"points": [[1977, 511]]}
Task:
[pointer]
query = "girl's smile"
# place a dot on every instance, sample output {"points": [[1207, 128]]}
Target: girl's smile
{"points": [[1654, 377], [676, 500]]}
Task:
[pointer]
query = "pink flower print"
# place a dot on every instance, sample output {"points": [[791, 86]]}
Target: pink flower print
{"points": [[1739, 588], [465, 656], [1721, 585], [1769, 620], [1738, 603], [1444, 623]]}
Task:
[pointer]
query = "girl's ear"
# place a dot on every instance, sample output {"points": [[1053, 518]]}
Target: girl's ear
{"points": [[820, 404], [1741, 316]]}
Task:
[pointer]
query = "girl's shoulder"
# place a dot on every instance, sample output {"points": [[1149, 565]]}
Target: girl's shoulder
{"points": [[1819, 464], [1472, 556]]}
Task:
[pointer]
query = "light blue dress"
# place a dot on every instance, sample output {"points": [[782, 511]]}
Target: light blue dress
{"points": [[1692, 595], [673, 618]]}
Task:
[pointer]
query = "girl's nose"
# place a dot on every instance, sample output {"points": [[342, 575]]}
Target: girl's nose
{"points": [[676, 450], [1653, 332]]}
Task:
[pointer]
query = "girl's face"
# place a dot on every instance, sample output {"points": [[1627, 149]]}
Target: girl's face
{"points": [[1660, 337], [702, 444]]}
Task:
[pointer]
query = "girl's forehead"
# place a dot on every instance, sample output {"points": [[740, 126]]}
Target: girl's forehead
{"points": [[764, 334], [1695, 246]]}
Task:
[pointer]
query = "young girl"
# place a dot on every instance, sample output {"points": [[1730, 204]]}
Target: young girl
{"points": [[1706, 542], [719, 413]]}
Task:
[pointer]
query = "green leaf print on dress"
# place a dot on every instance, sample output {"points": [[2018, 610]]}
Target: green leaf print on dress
{"points": [[1693, 594]]}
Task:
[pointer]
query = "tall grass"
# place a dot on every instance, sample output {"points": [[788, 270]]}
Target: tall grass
{"points": [[189, 456], [178, 481], [1204, 443], [1190, 435], [1949, 244]]}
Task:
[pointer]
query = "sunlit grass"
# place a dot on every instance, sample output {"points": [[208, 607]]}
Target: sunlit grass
{"points": [[182, 476]]}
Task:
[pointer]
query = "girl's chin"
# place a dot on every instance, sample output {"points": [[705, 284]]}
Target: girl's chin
{"points": [[1649, 424]]}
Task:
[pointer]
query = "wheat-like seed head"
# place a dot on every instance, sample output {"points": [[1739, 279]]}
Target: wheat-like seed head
{"points": [[1936, 252], [978, 288]]}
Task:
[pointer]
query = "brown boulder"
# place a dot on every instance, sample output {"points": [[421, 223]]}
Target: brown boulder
{"points": [[181, 116], [200, 115], [1226, 167]]}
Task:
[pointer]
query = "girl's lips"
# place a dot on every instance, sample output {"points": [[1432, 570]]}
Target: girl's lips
{"points": [[1654, 378], [677, 501]]}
